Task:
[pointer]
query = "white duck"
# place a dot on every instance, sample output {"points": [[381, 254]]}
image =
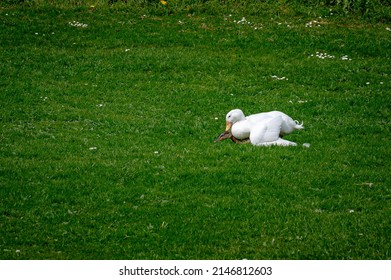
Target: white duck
{"points": [[263, 129]]}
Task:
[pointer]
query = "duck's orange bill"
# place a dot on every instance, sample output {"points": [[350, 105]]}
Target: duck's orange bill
{"points": [[228, 126]]}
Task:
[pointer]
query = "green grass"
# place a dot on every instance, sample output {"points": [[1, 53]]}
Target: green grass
{"points": [[107, 134]]}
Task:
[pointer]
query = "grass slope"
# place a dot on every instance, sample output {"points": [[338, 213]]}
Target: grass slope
{"points": [[107, 136]]}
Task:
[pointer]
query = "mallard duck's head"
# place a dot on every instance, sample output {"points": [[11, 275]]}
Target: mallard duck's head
{"points": [[223, 136]]}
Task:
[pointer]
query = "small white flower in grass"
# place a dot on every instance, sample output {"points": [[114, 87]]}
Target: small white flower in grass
{"points": [[306, 145], [367, 83], [216, 118], [351, 211], [323, 55], [99, 105], [313, 22], [93, 148], [126, 50], [77, 24], [388, 29], [156, 152], [279, 78], [242, 21]]}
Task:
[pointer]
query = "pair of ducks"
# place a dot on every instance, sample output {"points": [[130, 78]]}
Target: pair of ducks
{"points": [[263, 129]]}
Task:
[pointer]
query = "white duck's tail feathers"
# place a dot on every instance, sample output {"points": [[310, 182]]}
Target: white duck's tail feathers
{"points": [[299, 125]]}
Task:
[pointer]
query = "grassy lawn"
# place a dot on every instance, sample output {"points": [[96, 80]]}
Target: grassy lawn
{"points": [[107, 122]]}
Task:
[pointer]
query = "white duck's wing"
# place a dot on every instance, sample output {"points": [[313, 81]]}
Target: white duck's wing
{"points": [[266, 131], [287, 126], [260, 117]]}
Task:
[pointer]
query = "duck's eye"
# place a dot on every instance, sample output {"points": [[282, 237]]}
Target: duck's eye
{"points": [[229, 116]]}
